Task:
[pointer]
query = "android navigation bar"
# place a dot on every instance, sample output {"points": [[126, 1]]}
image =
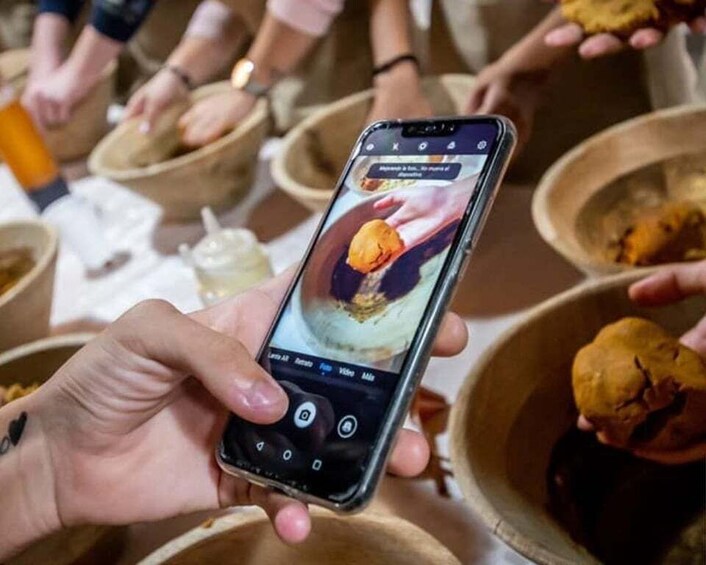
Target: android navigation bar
{"points": [[310, 365]]}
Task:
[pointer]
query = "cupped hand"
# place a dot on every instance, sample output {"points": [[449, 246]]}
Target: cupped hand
{"points": [[502, 89], [423, 212], [668, 285], [131, 422], [215, 116], [673, 284], [689, 454], [155, 96], [52, 100], [602, 44]]}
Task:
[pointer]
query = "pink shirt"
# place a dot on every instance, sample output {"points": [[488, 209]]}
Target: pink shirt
{"points": [[313, 17]]}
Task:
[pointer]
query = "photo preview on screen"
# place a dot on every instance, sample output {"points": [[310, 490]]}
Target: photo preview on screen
{"points": [[364, 292]]}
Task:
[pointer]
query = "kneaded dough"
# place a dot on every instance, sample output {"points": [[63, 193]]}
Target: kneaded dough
{"points": [[375, 243], [641, 387], [622, 17]]}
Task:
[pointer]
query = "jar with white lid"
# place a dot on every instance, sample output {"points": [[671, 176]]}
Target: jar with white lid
{"points": [[227, 261]]}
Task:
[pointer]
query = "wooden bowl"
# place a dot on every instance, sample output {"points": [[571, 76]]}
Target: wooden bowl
{"points": [[89, 122], [314, 153], [517, 402], [246, 537], [585, 200], [216, 175], [36, 363], [25, 308]]}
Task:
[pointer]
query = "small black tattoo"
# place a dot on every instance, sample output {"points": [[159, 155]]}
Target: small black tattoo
{"points": [[14, 433]]}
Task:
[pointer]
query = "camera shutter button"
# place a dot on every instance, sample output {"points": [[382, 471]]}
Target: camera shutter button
{"points": [[304, 415]]}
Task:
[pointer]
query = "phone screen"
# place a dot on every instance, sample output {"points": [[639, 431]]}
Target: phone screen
{"points": [[344, 334]]}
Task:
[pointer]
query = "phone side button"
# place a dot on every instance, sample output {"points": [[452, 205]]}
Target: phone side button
{"points": [[464, 265]]}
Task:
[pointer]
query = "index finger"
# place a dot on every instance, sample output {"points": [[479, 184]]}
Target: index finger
{"points": [[670, 284], [567, 35]]}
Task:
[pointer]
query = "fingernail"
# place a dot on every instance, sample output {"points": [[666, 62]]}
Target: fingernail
{"points": [[265, 394], [144, 128]]}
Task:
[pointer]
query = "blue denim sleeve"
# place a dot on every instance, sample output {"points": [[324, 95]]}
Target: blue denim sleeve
{"points": [[67, 8], [119, 19]]}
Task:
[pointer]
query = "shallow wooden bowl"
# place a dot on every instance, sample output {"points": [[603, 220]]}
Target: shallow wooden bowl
{"points": [[581, 203], [314, 153], [216, 175], [89, 122], [35, 363], [517, 402], [25, 309], [247, 538]]}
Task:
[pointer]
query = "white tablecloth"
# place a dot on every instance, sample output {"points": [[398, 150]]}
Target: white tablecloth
{"points": [[511, 271]]}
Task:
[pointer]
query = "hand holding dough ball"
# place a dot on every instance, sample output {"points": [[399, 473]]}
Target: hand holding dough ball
{"points": [[641, 388], [623, 17], [375, 244]]}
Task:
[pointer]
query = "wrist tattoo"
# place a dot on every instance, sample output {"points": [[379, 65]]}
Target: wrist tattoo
{"points": [[14, 433]]}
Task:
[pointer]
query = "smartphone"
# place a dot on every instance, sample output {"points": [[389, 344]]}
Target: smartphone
{"points": [[354, 334]]}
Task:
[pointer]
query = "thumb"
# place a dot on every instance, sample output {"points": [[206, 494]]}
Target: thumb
{"points": [[135, 106], [156, 331], [150, 113]]}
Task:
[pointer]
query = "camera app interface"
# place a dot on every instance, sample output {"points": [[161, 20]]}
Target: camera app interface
{"points": [[344, 335]]}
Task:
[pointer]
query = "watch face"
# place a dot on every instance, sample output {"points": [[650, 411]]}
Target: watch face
{"points": [[241, 73]]}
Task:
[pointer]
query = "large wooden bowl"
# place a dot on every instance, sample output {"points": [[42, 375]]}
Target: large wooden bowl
{"points": [[314, 153], [36, 363], [216, 175], [576, 199], [89, 121], [247, 538], [517, 402], [25, 309]]}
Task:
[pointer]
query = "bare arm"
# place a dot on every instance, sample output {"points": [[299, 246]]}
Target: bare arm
{"points": [[398, 91], [48, 44]]}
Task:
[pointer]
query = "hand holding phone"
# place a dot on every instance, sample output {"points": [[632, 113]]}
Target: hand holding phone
{"points": [[354, 334]]}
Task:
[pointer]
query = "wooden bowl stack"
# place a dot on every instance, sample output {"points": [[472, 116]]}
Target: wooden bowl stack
{"points": [[36, 363], [89, 122], [517, 402], [576, 198], [25, 308], [314, 153], [247, 538]]}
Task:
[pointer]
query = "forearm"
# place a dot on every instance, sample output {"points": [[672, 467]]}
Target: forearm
{"points": [[28, 509], [92, 54], [278, 49], [209, 42], [532, 54], [389, 29], [49, 37]]}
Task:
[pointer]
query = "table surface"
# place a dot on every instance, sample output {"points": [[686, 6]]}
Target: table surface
{"points": [[511, 271]]}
